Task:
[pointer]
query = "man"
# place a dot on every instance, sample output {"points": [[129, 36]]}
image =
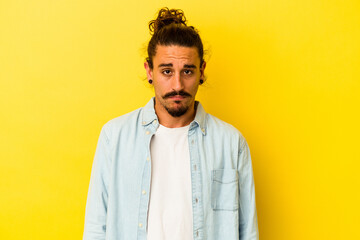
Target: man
{"points": [[169, 170]]}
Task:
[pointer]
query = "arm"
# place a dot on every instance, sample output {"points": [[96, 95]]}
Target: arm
{"points": [[248, 226], [96, 205]]}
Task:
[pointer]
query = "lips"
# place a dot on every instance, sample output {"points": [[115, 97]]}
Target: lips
{"points": [[177, 97]]}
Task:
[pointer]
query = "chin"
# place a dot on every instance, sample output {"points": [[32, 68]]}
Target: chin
{"points": [[177, 112]]}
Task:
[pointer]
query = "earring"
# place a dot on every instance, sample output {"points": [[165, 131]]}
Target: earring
{"points": [[150, 81], [201, 81]]}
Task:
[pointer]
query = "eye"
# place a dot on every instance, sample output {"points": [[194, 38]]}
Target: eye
{"points": [[188, 72], [166, 71]]}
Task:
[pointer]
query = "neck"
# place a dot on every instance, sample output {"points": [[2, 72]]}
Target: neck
{"points": [[169, 121]]}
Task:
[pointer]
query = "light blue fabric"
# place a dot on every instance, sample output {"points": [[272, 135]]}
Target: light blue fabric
{"points": [[223, 194]]}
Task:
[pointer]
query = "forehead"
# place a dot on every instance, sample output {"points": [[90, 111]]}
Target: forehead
{"points": [[172, 53]]}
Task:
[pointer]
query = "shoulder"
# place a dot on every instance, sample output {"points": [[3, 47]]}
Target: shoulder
{"points": [[215, 123], [224, 129], [125, 121]]}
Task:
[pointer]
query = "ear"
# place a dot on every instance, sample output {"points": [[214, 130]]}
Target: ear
{"points": [[149, 72], [202, 71]]}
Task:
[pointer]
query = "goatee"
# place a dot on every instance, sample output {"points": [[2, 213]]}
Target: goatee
{"points": [[178, 112]]}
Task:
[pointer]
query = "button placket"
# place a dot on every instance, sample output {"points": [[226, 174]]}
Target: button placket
{"points": [[145, 186]]}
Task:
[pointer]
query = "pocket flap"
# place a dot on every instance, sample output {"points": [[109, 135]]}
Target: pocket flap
{"points": [[225, 175]]}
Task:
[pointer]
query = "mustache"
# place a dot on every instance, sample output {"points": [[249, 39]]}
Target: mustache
{"points": [[175, 93]]}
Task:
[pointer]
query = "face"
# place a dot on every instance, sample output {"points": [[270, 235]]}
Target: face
{"points": [[176, 75]]}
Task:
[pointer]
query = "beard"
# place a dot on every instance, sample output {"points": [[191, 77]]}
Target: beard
{"points": [[176, 111]]}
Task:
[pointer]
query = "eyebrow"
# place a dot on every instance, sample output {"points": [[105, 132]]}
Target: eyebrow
{"points": [[165, 65], [170, 65], [189, 66]]}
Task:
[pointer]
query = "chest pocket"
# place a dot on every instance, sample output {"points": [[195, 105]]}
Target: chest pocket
{"points": [[225, 189]]}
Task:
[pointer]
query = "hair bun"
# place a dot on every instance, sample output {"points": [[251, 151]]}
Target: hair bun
{"points": [[166, 17]]}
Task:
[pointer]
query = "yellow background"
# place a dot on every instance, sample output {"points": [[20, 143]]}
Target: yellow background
{"points": [[285, 73]]}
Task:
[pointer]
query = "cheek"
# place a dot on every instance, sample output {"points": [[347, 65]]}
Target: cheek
{"points": [[159, 88], [193, 88]]}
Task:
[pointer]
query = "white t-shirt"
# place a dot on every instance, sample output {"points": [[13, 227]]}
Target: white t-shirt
{"points": [[170, 208]]}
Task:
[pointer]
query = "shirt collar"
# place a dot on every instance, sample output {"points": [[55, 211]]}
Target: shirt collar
{"points": [[149, 115], [200, 117]]}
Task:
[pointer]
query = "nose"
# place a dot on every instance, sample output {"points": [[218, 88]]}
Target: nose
{"points": [[177, 82]]}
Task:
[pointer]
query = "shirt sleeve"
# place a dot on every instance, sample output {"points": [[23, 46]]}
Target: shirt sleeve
{"points": [[248, 225], [96, 204]]}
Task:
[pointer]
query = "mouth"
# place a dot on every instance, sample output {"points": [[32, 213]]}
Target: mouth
{"points": [[177, 97]]}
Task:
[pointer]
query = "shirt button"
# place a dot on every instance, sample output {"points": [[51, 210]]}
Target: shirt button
{"points": [[140, 224], [196, 200], [143, 122], [192, 141], [195, 167], [147, 159], [155, 121], [147, 132], [203, 130], [143, 192], [197, 233]]}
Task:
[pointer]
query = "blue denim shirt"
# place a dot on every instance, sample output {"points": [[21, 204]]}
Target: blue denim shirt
{"points": [[223, 194]]}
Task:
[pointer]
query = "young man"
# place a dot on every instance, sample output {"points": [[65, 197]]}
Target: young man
{"points": [[169, 170]]}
